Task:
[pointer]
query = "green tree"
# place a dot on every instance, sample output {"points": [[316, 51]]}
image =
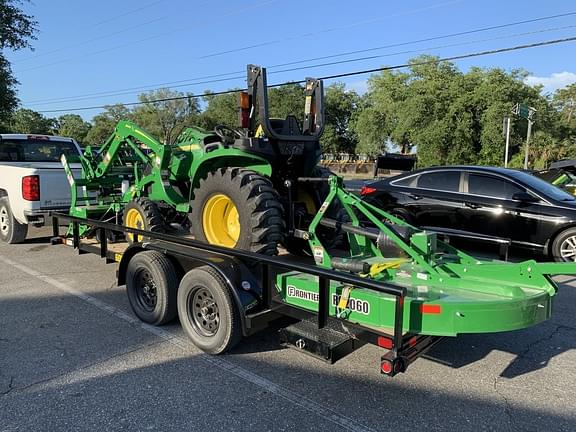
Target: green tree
{"points": [[450, 116], [165, 113], [340, 108], [103, 124], [565, 101], [220, 109], [73, 126], [16, 31], [286, 100], [31, 122]]}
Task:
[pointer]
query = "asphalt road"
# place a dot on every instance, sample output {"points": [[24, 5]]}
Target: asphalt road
{"points": [[73, 357]]}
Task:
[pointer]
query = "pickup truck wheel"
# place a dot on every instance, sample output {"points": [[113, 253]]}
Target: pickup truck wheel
{"points": [[207, 311], [11, 231], [151, 283]]}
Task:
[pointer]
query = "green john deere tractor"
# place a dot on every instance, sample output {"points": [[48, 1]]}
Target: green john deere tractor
{"points": [[233, 187]]}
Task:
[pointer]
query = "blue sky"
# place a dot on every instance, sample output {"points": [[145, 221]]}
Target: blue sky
{"points": [[125, 47]]}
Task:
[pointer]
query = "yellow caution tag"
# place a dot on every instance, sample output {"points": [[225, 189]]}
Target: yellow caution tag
{"points": [[343, 303], [380, 267]]}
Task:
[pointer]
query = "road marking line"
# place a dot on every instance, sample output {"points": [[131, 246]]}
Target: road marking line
{"points": [[184, 344]]}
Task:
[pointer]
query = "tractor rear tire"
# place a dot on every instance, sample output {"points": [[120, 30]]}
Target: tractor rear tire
{"points": [[143, 214], [237, 208], [329, 238]]}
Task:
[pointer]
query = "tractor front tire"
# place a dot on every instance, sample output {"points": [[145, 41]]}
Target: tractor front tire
{"points": [[237, 208], [142, 214]]}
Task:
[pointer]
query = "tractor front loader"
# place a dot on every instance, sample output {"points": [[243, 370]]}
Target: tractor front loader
{"points": [[232, 187]]}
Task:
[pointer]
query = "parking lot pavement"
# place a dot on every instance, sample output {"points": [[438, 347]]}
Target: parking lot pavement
{"points": [[73, 357]]}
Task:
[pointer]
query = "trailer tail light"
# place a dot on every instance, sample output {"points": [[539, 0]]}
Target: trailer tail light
{"points": [[385, 342], [244, 104], [430, 309], [31, 188], [367, 190]]}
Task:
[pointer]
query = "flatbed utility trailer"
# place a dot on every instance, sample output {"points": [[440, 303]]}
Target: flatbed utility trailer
{"points": [[396, 286], [250, 280]]}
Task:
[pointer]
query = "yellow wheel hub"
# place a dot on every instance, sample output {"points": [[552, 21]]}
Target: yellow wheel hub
{"points": [[221, 222], [306, 197], [133, 219]]}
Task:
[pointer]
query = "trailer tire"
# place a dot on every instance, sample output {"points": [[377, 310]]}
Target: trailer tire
{"points": [[142, 213], [237, 208], [11, 231], [151, 284], [207, 311]]}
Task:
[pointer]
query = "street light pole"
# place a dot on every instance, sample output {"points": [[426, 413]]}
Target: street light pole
{"points": [[527, 144], [507, 142]]}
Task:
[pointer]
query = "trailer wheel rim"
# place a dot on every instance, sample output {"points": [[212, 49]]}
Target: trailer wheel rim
{"points": [[568, 249], [203, 311], [146, 290], [134, 219], [4, 221], [221, 221]]}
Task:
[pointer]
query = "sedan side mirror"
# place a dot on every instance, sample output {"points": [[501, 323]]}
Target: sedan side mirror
{"points": [[524, 197]]}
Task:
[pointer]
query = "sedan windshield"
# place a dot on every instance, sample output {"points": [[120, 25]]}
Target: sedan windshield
{"points": [[34, 150], [543, 187]]}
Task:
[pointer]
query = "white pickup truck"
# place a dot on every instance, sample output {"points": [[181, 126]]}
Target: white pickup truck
{"points": [[32, 181]]}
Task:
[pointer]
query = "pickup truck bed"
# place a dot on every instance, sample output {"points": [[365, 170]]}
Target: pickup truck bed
{"points": [[32, 181]]}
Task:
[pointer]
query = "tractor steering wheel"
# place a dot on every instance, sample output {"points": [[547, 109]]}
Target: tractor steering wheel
{"points": [[228, 134]]}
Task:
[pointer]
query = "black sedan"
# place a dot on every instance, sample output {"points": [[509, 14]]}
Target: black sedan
{"points": [[490, 201]]}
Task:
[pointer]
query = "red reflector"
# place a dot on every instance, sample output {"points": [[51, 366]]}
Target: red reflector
{"points": [[384, 342], [412, 341], [31, 188], [430, 309], [367, 190], [386, 366]]}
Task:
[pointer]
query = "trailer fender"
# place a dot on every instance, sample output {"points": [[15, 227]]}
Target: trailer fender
{"points": [[128, 254]]}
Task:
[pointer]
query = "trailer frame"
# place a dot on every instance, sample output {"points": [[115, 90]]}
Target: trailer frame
{"points": [[402, 348]]}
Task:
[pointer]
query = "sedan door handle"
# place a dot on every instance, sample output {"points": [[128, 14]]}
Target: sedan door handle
{"points": [[472, 205], [415, 197]]}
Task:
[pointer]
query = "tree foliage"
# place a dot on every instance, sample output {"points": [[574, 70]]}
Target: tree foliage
{"points": [[450, 117], [73, 126], [17, 29], [103, 124], [31, 122], [165, 114]]}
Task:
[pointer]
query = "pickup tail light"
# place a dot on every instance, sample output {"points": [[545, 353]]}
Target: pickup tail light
{"points": [[367, 190], [31, 188]]}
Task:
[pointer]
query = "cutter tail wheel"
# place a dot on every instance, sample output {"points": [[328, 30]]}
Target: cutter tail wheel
{"points": [[207, 311], [237, 208], [142, 214]]}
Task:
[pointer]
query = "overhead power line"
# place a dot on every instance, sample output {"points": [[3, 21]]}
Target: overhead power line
{"points": [[346, 74], [216, 77]]}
